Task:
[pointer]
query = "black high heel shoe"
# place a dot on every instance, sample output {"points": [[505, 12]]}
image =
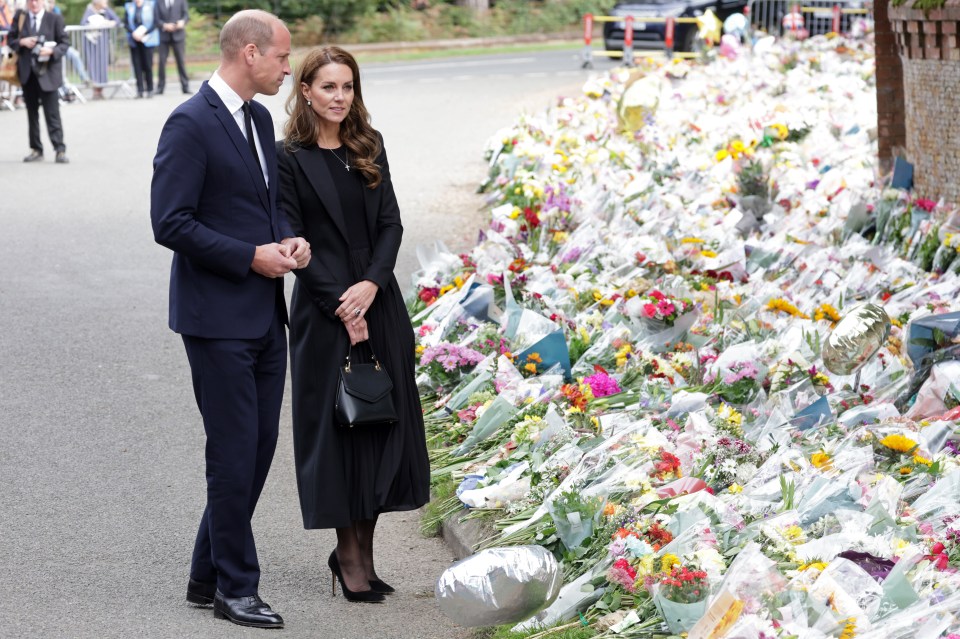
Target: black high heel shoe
{"points": [[367, 596], [382, 587]]}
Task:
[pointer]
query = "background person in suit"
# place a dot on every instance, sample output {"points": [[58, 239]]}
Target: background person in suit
{"points": [[173, 17], [336, 190], [213, 201], [143, 36], [41, 41]]}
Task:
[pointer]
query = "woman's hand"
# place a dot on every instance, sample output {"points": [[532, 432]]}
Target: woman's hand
{"points": [[356, 301], [357, 331]]}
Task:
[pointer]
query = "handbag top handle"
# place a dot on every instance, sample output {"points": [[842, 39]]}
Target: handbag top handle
{"points": [[373, 357]]}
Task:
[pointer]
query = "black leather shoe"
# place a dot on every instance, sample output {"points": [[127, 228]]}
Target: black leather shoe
{"points": [[34, 156], [200, 593], [249, 611], [62, 158]]}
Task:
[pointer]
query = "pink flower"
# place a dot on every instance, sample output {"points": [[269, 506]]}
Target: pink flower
{"points": [[649, 310], [657, 295], [925, 204], [623, 574], [602, 385]]}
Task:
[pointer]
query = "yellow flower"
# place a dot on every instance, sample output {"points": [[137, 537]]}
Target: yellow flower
{"points": [[826, 312], [515, 213], [815, 565], [691, 240], [821, 460], [458, 281], [722, 155], [708, 253], [850, 629], [420, 348], [793, 533], [917, 459], [530, 368], [735, 489], [906, 470], [630, 293], [446, 289], [782, 305], [534, 357], [668, 561], [610, 509], [606, 302], [899, 443]]}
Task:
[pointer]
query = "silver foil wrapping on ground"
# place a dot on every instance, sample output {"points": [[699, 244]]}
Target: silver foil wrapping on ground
{"points": [[855, 339], [499, 585]]}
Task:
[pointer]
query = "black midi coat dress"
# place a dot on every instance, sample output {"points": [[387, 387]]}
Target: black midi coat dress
{"points": [[348, 475]]}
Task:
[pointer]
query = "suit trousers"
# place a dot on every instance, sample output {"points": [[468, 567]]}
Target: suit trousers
{"points": [[142, 57], [34, 97], [178, 49], [238, 385]]}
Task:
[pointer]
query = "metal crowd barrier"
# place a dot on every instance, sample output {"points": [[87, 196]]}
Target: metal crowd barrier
{"points": [[776, 17], [813, 17], [98, 58]]}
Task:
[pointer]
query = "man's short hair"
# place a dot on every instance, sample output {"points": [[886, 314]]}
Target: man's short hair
{"points": [[247, 27]]}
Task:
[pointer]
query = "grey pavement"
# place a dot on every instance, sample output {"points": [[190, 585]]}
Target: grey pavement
{"points": [[101, 455]]}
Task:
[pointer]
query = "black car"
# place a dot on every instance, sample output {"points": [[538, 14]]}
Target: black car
{"points": [[650, 35]]}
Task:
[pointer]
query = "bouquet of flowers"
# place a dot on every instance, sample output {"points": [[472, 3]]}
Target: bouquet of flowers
{"points": [[446, 362]]}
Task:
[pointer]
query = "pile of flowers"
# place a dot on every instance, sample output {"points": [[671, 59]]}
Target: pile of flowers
{"points": [[648, 398]]}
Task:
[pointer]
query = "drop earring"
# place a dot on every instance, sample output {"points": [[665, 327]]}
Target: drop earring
{"points": [[309, 103]]}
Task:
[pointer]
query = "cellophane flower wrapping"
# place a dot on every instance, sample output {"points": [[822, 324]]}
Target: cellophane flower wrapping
{"points": [[667, 255]]}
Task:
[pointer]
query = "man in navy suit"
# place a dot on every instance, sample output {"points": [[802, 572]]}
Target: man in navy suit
{"points": [[173, 16], [214, 203]]}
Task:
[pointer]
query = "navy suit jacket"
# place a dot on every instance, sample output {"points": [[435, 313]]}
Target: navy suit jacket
{"points": [[209, 204]]}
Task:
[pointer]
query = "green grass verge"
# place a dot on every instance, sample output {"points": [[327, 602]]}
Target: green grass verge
{"points": [[438, 509], [560, 632]]}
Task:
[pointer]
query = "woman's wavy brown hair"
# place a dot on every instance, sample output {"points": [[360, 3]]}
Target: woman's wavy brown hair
{"points": [[303, 127]]}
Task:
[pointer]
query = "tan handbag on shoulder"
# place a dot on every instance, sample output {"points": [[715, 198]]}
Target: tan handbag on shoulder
{"points": [[8, 60]]}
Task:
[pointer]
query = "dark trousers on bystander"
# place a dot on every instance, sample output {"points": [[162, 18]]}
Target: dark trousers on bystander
{"points": [[35, 97], [178, 49], [142, 57]]}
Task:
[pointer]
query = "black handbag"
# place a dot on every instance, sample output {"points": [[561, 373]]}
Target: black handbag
{"points": [[364, 394]]}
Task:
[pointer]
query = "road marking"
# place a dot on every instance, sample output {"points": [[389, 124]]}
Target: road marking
{"points": [[448, 65]]}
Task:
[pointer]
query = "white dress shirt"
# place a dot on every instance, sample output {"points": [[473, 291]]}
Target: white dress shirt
{"points": [[234, 104]]}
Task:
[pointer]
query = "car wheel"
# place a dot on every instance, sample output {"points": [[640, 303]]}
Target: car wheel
{"points": [[688, 41]]}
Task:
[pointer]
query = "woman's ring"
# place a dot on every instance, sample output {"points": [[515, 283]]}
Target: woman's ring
{"points": [[356, 312]]}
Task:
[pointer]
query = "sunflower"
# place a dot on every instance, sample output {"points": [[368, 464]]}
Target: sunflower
{"points": [[899, 443]]}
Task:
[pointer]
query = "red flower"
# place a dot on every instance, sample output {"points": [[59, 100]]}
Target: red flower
{"points": [[937, 548], [429, 295], [533, 219]]}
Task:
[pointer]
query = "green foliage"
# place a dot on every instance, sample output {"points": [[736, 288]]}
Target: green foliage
{"points": [[312, 22], [443, 500], [753, 180], [203, 35], [391, 25], [566, 631]]}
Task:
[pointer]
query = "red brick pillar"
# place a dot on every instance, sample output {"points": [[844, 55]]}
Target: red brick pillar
{"points": [[890, 106]]}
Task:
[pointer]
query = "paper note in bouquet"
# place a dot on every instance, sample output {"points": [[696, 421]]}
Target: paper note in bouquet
{"points": [[723, 612]]}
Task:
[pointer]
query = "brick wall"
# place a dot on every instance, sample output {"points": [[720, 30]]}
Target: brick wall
{"points": [[890, 107], [930, 60]]}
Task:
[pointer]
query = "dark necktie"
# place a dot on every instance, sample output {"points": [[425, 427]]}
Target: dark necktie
{"points": [[33, 23], [248, 125]]}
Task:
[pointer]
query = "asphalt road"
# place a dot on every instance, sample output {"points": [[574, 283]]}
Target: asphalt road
{"points": [[101, 456]]}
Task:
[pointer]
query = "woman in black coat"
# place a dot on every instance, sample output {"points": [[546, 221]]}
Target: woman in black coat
{"points": [[336, 191]]}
